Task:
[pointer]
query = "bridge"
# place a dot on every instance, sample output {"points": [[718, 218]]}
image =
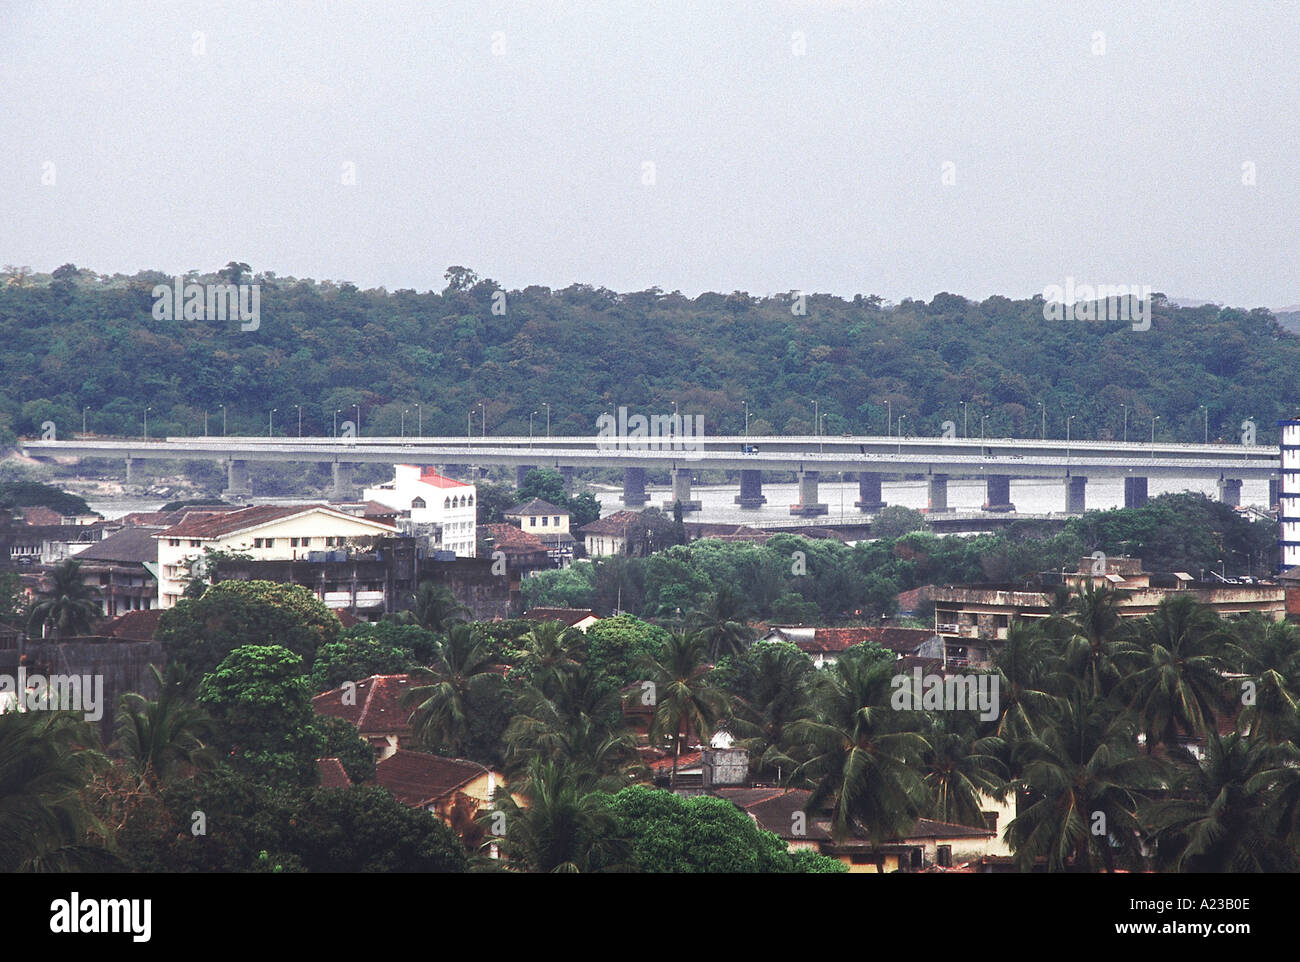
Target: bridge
{"points": [[866, 459]]}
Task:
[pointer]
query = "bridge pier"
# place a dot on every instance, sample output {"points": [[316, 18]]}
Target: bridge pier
{"points": [[682, 491], [808, 505], [567, 475], [521, 472], [751, 490], [344, 489], [634, 495], [1075, 488], [128, 470], [938, 494], [237, 483], [870, 498], [998, 489], [1135, 492], [1230, 492]]}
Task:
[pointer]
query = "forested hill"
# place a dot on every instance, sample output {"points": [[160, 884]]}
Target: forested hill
{"points": [[78, 340]]}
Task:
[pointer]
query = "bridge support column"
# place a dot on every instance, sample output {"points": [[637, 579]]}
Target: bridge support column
{"points": [[938, 494], [751, 490], [1135, 492], [1075, 488], [567, 475], [237, 484], [1274, 491], [1230, 492], [521, 472], [998, 488], [682, 491], [808, 505], [869, 497], [344, 489], [128, 470], [634, 487]]}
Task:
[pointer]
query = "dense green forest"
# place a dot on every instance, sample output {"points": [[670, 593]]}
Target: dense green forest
{"points": [[75, 344]]}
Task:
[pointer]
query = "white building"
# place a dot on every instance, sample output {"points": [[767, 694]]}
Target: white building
{"points": [[264, 533], [1288, 510], [432, 505]]}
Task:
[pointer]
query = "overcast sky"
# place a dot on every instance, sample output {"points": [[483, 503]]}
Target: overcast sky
{"points": [[795, 145]]}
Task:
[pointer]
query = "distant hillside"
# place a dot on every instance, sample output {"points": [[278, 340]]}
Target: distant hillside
{"points": [[76, 341]]}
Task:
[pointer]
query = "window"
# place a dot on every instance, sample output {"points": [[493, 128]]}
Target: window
{"points": [[418, 503], [270, 542], [532, 522], [471, 500], [174, 542], [195, 543], [544, 520], [990, 820], [557, 521], [446, 503], [943, 856], [257, 542]]}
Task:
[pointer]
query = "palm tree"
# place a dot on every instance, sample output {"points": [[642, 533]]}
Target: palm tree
{"points": [[441, 716], [1230, 809], [721, 621], [435, 607], [1024, 667], [865, 755], [45, 766], [160, 738], [69, 606], [574, 726], [962, 768], [1096, 626], [686, 700], [1080, 790], [1177, 665], [550, 648], [1272, 661], [565, 826], [779, 693]]}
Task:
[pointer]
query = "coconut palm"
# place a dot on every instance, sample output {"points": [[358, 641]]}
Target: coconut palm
{"points": [[1097, 634], [1176, 664], [775, 691], [1024, 667], [687, 701], [1272, 665], [45, 767], [443, 691], [69, 606], [160, 738], [573, 725], [435, 608], [962, 768], [1230, 811], [865, 756], [721, 621], [549, 649], [1080, 789], [565, 826]]}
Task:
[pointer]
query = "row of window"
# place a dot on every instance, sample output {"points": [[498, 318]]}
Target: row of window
{"points": [[461, 501], [532, 521]]}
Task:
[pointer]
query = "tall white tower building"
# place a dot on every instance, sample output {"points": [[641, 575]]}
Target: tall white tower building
{"points": [[1288, 510]]}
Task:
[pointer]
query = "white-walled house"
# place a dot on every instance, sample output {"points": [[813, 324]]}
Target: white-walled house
{"points": [[265, 533], [429, 502]]}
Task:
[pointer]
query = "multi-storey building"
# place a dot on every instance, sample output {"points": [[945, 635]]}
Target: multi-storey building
{"points": [[433, 506]]}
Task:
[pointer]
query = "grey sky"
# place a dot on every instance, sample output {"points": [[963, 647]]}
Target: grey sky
{"points": [[773, 170]]}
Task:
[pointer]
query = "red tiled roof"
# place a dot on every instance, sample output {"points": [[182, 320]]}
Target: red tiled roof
{"points": [[431, 476], [835, 640], [419, 779], [377, 709], [616, 523], [332, 774], [232, 521], [39, 514], [507, 536], [685, 760]]}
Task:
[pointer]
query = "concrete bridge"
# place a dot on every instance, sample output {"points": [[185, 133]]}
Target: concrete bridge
{"points": [[866, 459]]}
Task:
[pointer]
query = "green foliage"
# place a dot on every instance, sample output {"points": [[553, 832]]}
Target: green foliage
{"points": [[358, 829], [671, 834], [200, 632], [28, 494], [617, 648], [357, 656], [261, 703], [344, 742]]}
